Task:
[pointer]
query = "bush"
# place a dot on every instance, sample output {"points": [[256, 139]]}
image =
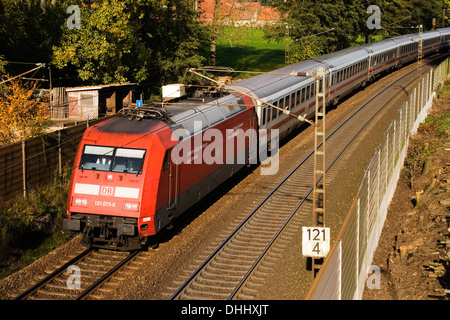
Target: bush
{"points": [[40, 212]]}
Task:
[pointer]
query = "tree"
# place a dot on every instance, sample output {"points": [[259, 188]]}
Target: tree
{"points": [[21, 116], [329, 25], [150, 42], [322, 26], [28, 29], [107, 48]]}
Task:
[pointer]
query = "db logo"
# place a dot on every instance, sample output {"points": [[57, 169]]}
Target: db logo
{"points": [[106, 191]]}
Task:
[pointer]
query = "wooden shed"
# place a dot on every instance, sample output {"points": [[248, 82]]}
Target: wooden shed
{"points": [[90, 102]]}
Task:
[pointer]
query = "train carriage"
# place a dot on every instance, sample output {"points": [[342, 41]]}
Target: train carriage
{"points": [[283, 89], [382, 57], [346, 70], [445, 38]]}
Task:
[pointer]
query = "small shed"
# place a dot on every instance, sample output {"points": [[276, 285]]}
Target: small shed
{"points": [[90, 102]]}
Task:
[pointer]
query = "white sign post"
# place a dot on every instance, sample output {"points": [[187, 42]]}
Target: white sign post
{"points": [[316, 242]]}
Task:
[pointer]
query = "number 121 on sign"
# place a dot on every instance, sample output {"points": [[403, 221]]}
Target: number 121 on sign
{"points": [[315, 242]]}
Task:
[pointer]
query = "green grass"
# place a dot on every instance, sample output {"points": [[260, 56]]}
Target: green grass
{"points": [[441, 123], [444, 91], [245, 49]]}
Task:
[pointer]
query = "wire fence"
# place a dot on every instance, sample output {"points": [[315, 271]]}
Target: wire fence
{"points": [[35, 162], [344, 272]]}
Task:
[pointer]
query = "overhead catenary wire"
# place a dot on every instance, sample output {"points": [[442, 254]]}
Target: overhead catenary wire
{"points": [[41, 65], [287, 112]]}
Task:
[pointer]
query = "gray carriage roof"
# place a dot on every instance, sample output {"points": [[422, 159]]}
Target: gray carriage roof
{"points": [[267, 84], [444, 31], [381, 46], [343, 58], [408, 38]]}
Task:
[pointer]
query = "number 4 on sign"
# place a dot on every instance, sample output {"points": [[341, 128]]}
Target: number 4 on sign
{"points": [[316, 242]]}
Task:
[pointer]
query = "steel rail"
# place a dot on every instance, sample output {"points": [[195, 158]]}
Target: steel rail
{"points": [[234, 232], [108, 275], [264, 252], [34, 288], [58, 272]]}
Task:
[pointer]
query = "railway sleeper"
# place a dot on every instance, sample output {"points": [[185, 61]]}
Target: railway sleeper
{"points": [[233, 250], [218, 266], [247, 240], [221, 282], [264, 222], [191, 294], [247, 237], [239, 251], [49, 294], [213, 290], [214, 274]]}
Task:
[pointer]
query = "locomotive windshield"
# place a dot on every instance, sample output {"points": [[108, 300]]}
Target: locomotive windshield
{"points": [[112, 159]]}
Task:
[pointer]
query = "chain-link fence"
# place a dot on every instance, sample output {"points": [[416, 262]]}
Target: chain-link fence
{"points": [[344, 272]]}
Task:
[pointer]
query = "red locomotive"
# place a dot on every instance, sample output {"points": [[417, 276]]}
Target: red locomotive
{"points": [[136, 172]]}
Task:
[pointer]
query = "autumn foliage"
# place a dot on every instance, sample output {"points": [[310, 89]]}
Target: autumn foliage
{"points": [[21, 116]]}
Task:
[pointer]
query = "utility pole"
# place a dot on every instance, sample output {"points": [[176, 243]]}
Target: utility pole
{"points": [[319, 160], [319, 155], [286, 46], [420, 53]]}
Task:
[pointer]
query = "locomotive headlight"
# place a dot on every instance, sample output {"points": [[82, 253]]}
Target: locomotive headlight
{"points": [[131, 206], [79, 202]]}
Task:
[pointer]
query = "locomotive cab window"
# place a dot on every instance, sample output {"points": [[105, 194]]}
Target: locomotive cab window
{"points": [[102, 158], [96, 158], [128, 160]]}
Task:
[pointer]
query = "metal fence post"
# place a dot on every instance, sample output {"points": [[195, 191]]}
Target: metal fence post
{"points": [[59, 153], [24, 169]]}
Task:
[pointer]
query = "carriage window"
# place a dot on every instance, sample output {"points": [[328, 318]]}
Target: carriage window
{"points": [[274, 111], [292, 101], [298, 98], [264, 110], [281, 104]]}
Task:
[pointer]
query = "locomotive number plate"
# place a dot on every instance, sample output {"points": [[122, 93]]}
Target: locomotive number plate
{"points": [[109, 204]]}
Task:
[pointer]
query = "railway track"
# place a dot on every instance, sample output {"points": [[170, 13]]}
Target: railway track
{"points": [[95, 268], [237, 267]]}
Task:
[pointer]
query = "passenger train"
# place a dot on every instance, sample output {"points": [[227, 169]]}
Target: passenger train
{"points": [[126, 186]]}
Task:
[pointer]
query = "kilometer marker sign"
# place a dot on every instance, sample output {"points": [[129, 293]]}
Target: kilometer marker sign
{"points": [[315, 242]]}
